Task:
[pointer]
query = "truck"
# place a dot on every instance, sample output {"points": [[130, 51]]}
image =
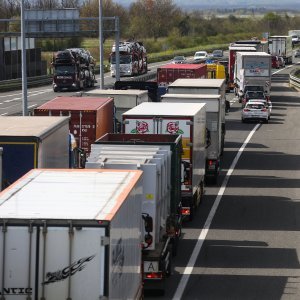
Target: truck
{"points": [[155, 163], [213, 125], [170, 72], [252, 69], [233, 49], [123, 101], [295, 34], [33, 142], [188, 120], [73, 69], [90, 117], [133, 58], [205, 87], [281, 45], [260, 45], [65, 234]]}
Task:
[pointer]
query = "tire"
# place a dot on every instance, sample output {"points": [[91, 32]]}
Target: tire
{"points": [[169, 268], [266, 121], [243, 121]]}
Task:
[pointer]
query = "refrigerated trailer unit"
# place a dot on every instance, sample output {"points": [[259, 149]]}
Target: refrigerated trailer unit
{"points": [[188, 120], [90, 117], [213, 124], [67, 234], [33, 142]]}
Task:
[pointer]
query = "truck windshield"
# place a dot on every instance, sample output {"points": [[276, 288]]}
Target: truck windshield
{"points": [[124, 59], [64, 70]]}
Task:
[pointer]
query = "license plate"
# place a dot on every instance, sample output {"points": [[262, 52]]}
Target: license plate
{"points": [[151, 266]]}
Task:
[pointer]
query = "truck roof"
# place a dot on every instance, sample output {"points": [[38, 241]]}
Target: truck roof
{"points": [[29, 126], [183, 66], [212, 101], [75, 103], [198, 83], [116, 92], [93, 194], [254, 54], [248, 48], [279, 36], [165, 109]]}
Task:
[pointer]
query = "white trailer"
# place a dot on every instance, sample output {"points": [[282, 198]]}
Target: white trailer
{"points": [[204, 87], [253, 69], [66, 234], [123, 100], [188, 120], [213, 124], [156, 167], [281, 45]]}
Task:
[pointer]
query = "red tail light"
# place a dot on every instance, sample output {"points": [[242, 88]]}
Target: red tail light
{"points": [[153, 275], [185, 211], [246, 109], [264, 109]]}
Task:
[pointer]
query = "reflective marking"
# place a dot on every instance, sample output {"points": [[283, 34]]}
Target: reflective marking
{"points": [[190, 266]]}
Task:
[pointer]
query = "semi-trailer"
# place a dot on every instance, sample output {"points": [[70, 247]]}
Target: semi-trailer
{"points": [[72, 234], [213, 125], [205, 87], [188, 120], [90, 117], [156, 166], [281, 45], [33, 142], [123, 100], [252, 69]]}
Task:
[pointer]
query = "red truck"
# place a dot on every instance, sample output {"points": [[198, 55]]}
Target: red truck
{"points": [[169, 73], [90, 118]]}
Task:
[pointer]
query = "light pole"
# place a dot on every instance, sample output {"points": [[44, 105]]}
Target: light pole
{"points": [[24, 69], [101, 45]]}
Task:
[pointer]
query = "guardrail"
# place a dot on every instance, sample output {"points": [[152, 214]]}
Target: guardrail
{"points": [[295, 78], [15, 84]]}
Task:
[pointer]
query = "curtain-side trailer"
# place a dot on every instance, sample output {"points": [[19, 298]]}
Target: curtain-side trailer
{"points": [[66, 234]]}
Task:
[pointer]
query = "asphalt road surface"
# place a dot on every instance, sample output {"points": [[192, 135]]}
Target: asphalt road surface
{"points": [[244, 240]]}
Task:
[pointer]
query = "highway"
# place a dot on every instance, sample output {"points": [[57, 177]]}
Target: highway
{"points": [[11, 102], [244, 240]]}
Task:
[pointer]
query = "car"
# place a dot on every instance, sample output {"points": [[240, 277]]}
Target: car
{"points": [[255, 111], [297, 53], [267, 104], [281, 62], [253, 95], [200, 55], [275, 62], [217, 53], [179, 59]]}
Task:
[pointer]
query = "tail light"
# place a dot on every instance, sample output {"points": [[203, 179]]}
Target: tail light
{"points": [[246, 109], [154, 275], [185, 211], [264, 109]]}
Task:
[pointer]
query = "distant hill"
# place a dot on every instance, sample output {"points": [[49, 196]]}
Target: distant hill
{"points": [[231, 4]]}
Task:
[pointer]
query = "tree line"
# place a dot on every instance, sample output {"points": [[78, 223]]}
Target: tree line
{"points": [[155, 19]]}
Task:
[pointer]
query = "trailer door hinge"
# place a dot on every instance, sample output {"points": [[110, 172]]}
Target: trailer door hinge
{"points": [[104, 240]]}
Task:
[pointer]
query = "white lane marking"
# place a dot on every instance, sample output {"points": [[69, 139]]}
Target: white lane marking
{"points": [[4, 114], [190, 266], [29, 93], [31, 106]]}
